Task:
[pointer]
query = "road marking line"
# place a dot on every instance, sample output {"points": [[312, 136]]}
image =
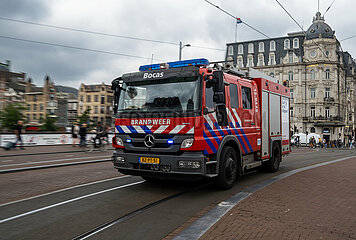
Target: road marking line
{"points": [[7, 161], [63, 189], [55, 160], [203, 224], [67, 201]]}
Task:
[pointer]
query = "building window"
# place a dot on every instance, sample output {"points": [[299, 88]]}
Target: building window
{"points": [[95, 109], [327, 112], [312, 130], [286, 44], [102, 99], [260, 60], [82, 98], [291, 112], [290, 76], [96, 98], [240, 49], [34, 107], [272, 46], [35, 98], [290, 57], [261, 47], [239, 62], [312, 74], [81, 109], [327, 92], [88, 98], [246, 98], [312, 92], [102, 109], [34, 117], [327, 74], [295, 43], [272, 59], [312, 111], [291, 93], [230, 50], [250, 48], [249, 62]]}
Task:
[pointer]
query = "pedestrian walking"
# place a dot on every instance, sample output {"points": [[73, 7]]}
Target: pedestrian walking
{"points": [[18, 132], [83, 134], [75, 133]]}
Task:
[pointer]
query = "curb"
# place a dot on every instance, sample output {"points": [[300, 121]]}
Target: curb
{"points": [[203, 224]]}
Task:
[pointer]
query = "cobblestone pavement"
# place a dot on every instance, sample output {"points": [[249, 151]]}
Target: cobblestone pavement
{"points": [[319, 203]]}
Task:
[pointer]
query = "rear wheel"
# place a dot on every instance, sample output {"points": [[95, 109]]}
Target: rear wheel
{"points": [[272, 165], [228, 168]]}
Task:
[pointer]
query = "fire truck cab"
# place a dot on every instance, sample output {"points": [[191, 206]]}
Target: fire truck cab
{"points": [[187, 120]]}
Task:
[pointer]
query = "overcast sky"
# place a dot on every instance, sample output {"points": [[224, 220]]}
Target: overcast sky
{"points": [[193, 22]]}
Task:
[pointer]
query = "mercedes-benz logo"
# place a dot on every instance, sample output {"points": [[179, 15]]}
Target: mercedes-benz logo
{"points": [[149, 140]]}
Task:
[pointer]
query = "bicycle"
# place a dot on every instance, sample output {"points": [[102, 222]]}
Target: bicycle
{"points": [[90, 144]]}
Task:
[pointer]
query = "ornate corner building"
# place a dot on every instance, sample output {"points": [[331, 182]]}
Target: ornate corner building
{"points": [[320, 74]]}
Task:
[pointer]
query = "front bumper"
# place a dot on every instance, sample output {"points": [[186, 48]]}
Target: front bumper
{"points": [[132, 166]]}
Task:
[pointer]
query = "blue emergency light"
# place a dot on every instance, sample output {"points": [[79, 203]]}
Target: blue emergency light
{"points": [[193, 62]]}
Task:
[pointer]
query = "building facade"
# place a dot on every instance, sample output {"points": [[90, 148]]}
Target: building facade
{"points": [[319, 73], [12, 85], [99, 99]]}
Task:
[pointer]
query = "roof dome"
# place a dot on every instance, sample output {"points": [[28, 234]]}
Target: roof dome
{"points": [[319, 28]]}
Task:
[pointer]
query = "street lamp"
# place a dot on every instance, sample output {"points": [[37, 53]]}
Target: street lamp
{"points": [[181, 46]]}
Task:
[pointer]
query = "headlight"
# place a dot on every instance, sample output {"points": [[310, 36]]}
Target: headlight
{"points": [[119, 141], [187, 143]]}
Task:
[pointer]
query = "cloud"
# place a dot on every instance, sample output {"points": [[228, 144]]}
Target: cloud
{"points": [[193, 22]]}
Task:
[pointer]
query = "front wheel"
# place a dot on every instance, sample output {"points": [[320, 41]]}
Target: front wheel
{"points": [[89, 147], [228, 168]]}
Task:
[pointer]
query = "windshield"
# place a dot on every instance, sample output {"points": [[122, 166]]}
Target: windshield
{"points": [[166, 95]]}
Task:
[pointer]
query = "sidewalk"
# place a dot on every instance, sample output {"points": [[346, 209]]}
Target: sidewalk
{"points": [[319, 203], [33, 150]]}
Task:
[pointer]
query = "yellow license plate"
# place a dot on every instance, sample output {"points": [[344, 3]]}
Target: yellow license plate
{"points": [[149, 160]]}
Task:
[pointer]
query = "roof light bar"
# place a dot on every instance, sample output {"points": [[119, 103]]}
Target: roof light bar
{"points": [[193, 62]]}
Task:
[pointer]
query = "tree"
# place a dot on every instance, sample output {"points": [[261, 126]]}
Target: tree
{"points": [[85, 117], [11, 114], [49, 123]]}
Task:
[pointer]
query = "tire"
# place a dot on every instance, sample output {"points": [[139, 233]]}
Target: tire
{"points": [[228, 168], [272, 165], [104, 147], [89, 147]]}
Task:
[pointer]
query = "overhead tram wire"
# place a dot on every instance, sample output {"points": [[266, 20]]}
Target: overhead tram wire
{"points": [[102, 33], [253, 28], [88, 31], [305, 33], [73, 47], [328, 8], [248, 25], [347, 38]]}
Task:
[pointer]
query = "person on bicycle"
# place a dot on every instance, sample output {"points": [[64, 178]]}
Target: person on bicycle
{"points": [[100, 131]]}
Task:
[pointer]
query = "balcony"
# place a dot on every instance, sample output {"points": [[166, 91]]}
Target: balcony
{"points": [[329, 99], [325, 121]]}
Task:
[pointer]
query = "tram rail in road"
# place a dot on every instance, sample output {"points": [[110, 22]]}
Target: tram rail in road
{"points": [[17, 167]]}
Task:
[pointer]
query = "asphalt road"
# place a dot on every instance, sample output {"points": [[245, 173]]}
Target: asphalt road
{"points": [[69, 213]]}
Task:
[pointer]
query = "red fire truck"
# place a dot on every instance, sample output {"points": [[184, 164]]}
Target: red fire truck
{"points": [[185, 119]]}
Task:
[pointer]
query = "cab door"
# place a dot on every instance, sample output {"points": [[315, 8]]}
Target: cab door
{"points": [[247, 111]]}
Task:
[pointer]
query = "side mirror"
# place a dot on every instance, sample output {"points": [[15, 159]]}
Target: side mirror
{"points": [[221, 114], [116, 87], [219, 87]]}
